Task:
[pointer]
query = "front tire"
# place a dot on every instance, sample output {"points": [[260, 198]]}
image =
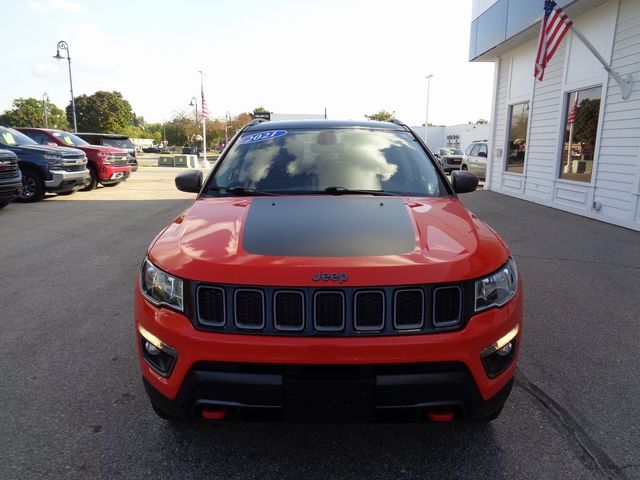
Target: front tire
{"points": [[32, 187]]}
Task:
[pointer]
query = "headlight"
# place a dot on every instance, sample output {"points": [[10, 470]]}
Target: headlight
{"points": [[54, 160], [105, 158], [160, 287], [498, 288]]}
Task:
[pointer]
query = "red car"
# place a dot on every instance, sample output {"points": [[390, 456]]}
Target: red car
{"points": [[108, 165], [328, 272]]}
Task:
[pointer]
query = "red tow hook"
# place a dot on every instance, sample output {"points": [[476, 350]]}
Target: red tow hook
{"points": [[440, 415], [214, 413]]}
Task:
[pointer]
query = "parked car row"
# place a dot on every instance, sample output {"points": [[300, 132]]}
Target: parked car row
{"points": [[34, 161], [474, 159]]}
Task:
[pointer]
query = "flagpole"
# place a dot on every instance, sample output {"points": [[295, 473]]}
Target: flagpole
{"points": [[625, 84], [567, 168], [205, 162]]}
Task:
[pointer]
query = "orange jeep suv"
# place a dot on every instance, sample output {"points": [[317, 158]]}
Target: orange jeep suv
{"points": [[328, 272]]}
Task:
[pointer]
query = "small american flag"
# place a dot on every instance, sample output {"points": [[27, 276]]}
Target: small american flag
{"points": [[205, 112], [573, 113], [555, 25]]}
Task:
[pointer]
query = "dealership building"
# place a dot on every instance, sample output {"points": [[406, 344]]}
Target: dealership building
{"points": [[572, 140]]}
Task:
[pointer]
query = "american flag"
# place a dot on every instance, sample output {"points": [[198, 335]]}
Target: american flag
{"points": [[573, 113], [205, 112], [555, 25]]}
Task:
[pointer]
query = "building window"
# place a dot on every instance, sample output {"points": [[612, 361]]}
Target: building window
{"points": [[518, 125], [580, 130]]}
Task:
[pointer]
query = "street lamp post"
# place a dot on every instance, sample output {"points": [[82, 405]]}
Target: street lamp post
{"points": [[62, 45], [45, 100], [194, 103], [426, 117]]}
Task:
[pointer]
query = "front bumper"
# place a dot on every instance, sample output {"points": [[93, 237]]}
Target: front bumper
{"points": [[62, 181], [401, 372], [329, 393], [114, 174], [10, 190]]}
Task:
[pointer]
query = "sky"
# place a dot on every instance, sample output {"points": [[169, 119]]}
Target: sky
{"points": [[289, 56]]}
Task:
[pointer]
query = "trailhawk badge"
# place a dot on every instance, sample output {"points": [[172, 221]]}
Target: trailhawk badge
{"points": [[330, 277]]}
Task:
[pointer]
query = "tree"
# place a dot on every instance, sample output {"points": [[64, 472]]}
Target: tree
{"points": [[381, 116], [586, 124], [29, 112], [104, 112]]}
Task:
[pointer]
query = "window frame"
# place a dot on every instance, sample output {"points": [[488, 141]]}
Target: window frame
{"points": [[565, 105], [505, 151]]}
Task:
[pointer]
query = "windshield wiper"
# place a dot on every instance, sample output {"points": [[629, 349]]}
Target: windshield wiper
{"points": [[242, 191], [347, 191]]}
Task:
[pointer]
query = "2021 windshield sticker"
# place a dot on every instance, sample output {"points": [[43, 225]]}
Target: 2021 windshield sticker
{"points": [[262, 136]]}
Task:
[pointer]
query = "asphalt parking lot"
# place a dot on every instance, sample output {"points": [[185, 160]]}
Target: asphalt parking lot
{"points": [[73, 404]]}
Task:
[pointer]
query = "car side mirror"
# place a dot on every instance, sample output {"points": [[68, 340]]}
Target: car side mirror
{"points": [[189, 181], [463, 182], [482, 154]]}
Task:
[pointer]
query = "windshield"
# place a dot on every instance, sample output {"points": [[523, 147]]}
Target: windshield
{"points": [[12, 138], [310, 161], [450, 151], [69, 139], [118, 143]]}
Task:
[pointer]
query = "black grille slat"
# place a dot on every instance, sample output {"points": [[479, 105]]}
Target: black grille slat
{"points": [[447, 305], [289, 310], [211, 309], [249, 309], [369, 311], [409, 309], [329, 311]]}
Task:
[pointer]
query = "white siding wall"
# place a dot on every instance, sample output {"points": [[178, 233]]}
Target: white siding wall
{"points": [[615, 186], [544, 129], [618, 169]]}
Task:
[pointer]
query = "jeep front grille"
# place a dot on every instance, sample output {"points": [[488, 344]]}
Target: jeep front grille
{"points": [[329, 312]]}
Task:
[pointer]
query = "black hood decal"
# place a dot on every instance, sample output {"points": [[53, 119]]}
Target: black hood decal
{"points": [[328, 226]]}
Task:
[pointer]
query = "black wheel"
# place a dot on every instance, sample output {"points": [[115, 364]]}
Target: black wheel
{"points": [[3, 204], [32, 187], [92, 181]]}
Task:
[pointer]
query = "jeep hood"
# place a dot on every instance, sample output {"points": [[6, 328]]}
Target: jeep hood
{"points": [[285, 240]]}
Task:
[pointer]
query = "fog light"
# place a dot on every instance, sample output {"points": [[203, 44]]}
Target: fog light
{"points": [[506, 350], [496, 358], [158, 355], [151, 349]]}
